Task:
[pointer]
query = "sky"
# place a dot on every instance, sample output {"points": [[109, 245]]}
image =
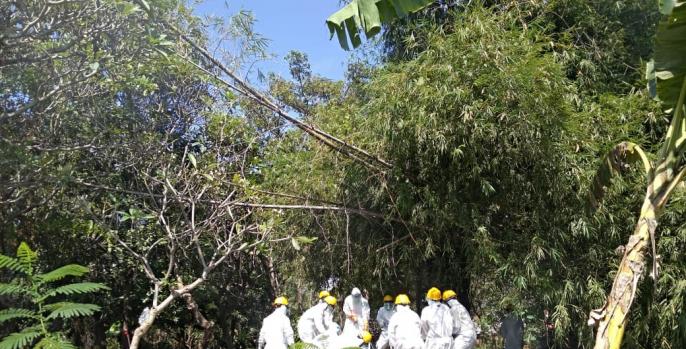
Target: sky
{"points": [[290, 25]]}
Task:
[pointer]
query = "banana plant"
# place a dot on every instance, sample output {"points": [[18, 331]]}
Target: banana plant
{"points": [[666, 74], [367, 16], [35, 288]]}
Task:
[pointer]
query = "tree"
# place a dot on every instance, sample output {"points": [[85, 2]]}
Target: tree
{"points": [[663, 175]]}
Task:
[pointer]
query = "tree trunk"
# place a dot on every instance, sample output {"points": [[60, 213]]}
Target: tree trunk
{"points": [[612, 317]]}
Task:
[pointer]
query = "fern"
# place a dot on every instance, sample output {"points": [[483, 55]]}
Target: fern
{"points": [[77, 288], [14, 313], [27, 257], [21, 339], [13, 289], [62, 272], [36, 288], [53, 343], [67, 310], [11, 264]]}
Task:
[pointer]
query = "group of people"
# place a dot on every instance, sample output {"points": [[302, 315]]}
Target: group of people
{"points": [[444, 324]]}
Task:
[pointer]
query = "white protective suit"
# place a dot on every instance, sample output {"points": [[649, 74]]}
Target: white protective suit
{"points": [[383, 317], [437, 326], [276, 331], [464, 330], [357, 306], [404, 329], [344, 341], [314, 322]]}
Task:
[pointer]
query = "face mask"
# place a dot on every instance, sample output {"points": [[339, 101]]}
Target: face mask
{"points": [[388, 306]]}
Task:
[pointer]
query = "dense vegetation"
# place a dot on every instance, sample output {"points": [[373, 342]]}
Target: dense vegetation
{"points": [[468, 159]]}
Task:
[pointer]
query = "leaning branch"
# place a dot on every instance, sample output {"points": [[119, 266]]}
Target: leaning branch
{"points": [[335, 143]]}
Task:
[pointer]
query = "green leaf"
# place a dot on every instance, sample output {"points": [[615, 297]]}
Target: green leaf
{"points": [[66, 310], [670, 52], [62, 272], [145, 5], [21, 339], [306, 239], [192, 159], [368, 16], [615, 162], [27, 257], [77, 288], [54, 343], [14, 313], [11, 264], [15, 289]]}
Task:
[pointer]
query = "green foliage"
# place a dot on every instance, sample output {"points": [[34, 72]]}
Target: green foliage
{"points": [[368, 16], [36, 289], [667, 70]]}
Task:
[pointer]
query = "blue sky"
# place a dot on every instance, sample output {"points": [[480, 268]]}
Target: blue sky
{"points": [[290, 25]]}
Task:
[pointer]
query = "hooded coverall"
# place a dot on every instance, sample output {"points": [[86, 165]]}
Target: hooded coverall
{"points": [[464, 330], [383, 316], [276, 331], [437, 326], [314, 322], [358, 307], [404, 329]]}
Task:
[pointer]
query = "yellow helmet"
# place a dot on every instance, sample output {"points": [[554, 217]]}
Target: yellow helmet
{"points": [[449, 294], [402, 299], [330, 300], [324, 294], [387, 298], [281, 301], [366, 337], [433, 294]]}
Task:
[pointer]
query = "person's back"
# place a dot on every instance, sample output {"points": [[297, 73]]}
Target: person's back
{"points": [[276, 331], [512, 331], [437, 326], [312, 323], [404, 329]]}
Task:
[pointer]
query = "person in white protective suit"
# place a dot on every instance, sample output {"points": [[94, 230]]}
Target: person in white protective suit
{"points": [[276, 331], [383, 316], [437, 323], [464, 330], [356, 309], [317, 320], [363, 341], [404, 329]]}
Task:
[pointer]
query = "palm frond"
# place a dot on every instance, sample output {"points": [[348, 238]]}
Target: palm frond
{"points": [[62, 272], [15, 289], [67, 310], [14, 313], [27, 257], [19, 340], [11, 264]]}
